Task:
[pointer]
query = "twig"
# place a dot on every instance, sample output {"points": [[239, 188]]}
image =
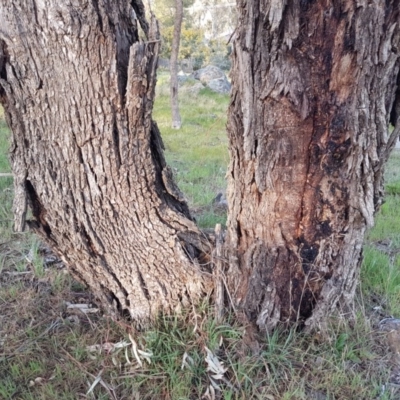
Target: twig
{"points": [[29, 343], [219, 284], [102, 383], [229, 294], [18, 273], [132, 375], [6, 175]]}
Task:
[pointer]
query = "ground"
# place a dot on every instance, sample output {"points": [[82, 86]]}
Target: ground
{"points": [[56, 344]]}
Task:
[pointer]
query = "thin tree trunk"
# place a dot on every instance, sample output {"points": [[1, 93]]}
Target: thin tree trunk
{"points": [[314, 85], [77, 86], [176, 117]]}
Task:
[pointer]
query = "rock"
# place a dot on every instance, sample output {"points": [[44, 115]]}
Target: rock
{"points": [[182, 78], [207, 74], [193, 89], [214, 78], [220, 85], [392, 328]]}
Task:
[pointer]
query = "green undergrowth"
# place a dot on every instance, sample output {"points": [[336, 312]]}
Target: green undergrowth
{"points": [[4, 144], [380, 275], [198, 151], [49, 350], [6, 194], [54, 354]]}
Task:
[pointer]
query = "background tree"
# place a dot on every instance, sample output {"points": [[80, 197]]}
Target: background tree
{"points": [[205, 31], [192, 49], [315, 85], [217, 20], [165, 11], [176, 118], [215, 16]]}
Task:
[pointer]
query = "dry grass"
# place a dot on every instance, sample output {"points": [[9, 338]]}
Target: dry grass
{"points": [[50, 351]]}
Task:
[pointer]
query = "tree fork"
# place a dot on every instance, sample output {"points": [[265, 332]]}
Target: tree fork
{"points": [[314, 87]]}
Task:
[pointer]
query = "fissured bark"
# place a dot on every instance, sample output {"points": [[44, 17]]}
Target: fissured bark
{"points": [[315, 85], [77, 86], [314, 88]]}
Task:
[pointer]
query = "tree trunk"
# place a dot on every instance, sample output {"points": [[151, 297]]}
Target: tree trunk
{"points": [[77, 86], [176, 118], [314, 86]]}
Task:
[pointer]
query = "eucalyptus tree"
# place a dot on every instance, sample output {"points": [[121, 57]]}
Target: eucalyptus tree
{"points": [[315, 85]]}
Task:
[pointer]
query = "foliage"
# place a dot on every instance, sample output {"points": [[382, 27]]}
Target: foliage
{"points": [[219, 54], [195, 48], [164, 10], [192, 45]]}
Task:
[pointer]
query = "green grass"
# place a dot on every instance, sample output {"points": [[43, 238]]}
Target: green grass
{"points": [[4, 144], [380, 274], [198, 151], [46, 349], [6, 194], [387, 225]]}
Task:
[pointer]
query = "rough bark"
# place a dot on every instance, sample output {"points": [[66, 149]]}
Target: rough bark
{"points": [[77, 86], [176, 38], [314, 90], [315, 85]]}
